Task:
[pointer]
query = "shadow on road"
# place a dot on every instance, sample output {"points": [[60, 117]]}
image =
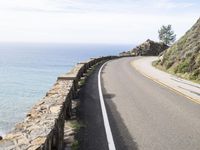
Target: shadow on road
{"points": [[92, 134], [121, 135]]}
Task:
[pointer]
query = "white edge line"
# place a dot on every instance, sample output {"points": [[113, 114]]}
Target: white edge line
{"points": [[111, 144]]}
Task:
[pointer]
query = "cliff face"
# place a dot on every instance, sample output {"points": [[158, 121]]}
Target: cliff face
{"points": [[183, 58]]}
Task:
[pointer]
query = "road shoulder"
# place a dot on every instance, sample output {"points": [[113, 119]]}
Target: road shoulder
{"points": [[181, 86]]}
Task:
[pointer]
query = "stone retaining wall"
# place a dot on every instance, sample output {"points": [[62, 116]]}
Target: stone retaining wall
{"points": [[44, 124]]}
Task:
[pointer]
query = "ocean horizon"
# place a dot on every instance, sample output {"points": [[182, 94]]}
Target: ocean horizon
{"points": [[28, 70]]}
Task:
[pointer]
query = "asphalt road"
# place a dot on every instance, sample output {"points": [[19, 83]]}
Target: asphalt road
{"points": [[92, 134], [145, 115]]}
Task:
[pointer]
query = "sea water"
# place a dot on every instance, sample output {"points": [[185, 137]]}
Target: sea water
{"points": [[28, 70]]}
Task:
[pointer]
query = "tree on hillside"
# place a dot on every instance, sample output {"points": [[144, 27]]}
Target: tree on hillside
{"points": [[166, 34]]}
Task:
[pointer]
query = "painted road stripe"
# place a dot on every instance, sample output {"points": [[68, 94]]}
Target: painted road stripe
{"points": [[163, 84], [111, 144]]}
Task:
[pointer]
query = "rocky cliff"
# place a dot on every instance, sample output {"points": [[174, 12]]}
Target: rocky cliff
{"points": [[148, 48], [183, 57]]}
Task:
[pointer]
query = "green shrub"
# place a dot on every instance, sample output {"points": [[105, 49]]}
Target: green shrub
{"points": [[168, 64], [195, 75], [198, 60], [182, 67], [75, 145]]}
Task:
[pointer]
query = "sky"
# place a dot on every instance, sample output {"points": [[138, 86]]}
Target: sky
{"points": [[93, 21]]}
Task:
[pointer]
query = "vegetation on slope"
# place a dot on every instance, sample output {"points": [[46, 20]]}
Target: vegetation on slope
{"points": [[183, 58]]}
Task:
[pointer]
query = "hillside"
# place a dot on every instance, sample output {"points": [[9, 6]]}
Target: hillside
{"points": [[183, 58]]}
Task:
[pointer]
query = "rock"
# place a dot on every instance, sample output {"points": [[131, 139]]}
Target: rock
{"points": [[7, 144], [150, 48], [13, 135], [38, 141], [1, 138], [128, 53], [55, 109]]}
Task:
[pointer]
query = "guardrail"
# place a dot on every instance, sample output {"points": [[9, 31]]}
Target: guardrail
{"points": [[43, 127]]}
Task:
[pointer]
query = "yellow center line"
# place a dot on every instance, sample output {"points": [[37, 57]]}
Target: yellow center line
{"points": [[163, 84]]}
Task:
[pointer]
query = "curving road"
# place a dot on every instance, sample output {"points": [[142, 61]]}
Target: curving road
{"points": [[144, 115]]}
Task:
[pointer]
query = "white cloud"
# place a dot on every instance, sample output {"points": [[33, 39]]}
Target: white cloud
{"points": [[89, 21], [92, 5], [169, 4]]}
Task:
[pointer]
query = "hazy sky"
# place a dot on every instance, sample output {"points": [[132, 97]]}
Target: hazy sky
{"points": [[93, 21]]}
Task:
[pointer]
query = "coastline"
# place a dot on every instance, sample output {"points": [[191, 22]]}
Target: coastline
{"points": [[28, 70], [45, 121]]}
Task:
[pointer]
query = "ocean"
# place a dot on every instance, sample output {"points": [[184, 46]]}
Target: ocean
{"points": [[28, 70]]}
